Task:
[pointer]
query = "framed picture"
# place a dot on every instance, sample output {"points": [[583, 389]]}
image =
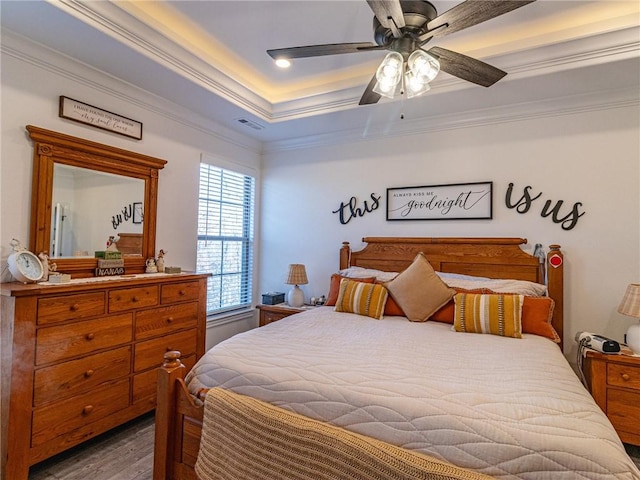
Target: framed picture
{"points": [[138, 214], [96, 117], [461, 201]]}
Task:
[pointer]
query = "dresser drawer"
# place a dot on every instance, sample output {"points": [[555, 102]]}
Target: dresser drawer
{"points": [[145, 384], [66, 341], [161, 321], [622, 375], [623, 409], [132, 298], [180, 292], [150, 353], [76, 376], [57, 419], [70, 307]]}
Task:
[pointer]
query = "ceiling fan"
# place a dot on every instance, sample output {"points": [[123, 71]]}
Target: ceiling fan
{"points": [[404, 27]]}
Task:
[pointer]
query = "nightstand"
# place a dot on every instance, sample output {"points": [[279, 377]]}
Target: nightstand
{"points": [[273, 313], [614, 382]]}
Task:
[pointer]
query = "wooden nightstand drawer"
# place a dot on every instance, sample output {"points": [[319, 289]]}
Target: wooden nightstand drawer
{"points": [[273, 313], [70, 307], [71, 340], [614, 382], [131, 298], [623, 409], [623, 376]]}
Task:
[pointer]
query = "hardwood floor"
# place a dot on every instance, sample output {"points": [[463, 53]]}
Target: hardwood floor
{"points": [[124, 453]]}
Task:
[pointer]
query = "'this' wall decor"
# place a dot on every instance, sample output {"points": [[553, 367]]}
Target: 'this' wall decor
{"points": [[349, 210], [524, 203]]}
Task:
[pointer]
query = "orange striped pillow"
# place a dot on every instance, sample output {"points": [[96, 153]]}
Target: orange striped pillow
{"points": [[495, 314], [361, 298]]}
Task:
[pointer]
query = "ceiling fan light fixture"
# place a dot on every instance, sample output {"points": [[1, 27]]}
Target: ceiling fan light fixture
{"points": [[415, 85], [389, 75], [423, 65]]}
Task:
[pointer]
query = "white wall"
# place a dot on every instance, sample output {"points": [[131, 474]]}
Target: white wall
{"points": [[592, 158]]}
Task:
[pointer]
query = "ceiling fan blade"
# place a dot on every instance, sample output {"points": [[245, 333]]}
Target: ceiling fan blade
{"points": [[319, 50], [467, 68], [369, 96], [389, 14], [472, 12]]}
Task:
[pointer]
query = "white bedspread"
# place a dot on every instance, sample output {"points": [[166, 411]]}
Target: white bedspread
{"points": [[509, 408]]}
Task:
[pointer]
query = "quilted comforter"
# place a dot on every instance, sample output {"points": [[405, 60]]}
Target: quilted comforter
{"points": [[509, 408]]}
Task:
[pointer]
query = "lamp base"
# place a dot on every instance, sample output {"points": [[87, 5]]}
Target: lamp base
{"points": [[295, 297], [633, 338]]}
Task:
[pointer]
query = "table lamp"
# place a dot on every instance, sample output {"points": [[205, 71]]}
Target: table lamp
{"points": [[297, 276], [630, 306]]}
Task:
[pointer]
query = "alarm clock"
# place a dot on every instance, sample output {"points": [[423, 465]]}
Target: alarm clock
{"points": [[23, 264]]}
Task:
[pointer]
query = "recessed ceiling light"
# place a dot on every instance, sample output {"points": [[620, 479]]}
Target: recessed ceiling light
{"points": [[283, 63]]}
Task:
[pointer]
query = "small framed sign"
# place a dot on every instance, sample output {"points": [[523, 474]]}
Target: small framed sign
{"points": [[461, 201], [96, 117], [138, 214]]}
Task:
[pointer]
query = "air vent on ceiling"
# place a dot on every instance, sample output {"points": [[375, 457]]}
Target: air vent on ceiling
{"points": [[250, 123]]}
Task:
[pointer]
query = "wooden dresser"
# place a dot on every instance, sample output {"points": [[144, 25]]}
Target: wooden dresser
{"points": [[614, 382], [82, 357]]}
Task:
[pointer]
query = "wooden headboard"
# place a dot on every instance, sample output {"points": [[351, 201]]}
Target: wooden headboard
{"points": [[483, 257]]}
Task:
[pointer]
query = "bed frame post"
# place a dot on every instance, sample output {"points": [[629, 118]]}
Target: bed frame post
{"points": [[172, 369], [345, 255], [555, 282]]}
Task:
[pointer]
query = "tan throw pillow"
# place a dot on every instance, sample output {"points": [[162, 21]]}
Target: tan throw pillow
{"points": [[496, 314], [361, 298], [418, 291]]}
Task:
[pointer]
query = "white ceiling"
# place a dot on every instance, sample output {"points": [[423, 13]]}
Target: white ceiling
{"points": [[210, 56]]}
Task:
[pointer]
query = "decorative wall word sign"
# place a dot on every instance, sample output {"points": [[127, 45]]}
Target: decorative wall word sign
{"points": [[96, 117], [349, 210], [523, 204], [462, 201], [133, 212]]}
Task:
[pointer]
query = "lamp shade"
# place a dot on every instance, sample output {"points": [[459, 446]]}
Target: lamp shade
{"points": [[297, 275], [630, 305]]}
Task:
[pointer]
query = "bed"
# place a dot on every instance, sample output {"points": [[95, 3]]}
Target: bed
{"points": [[389, 393]]}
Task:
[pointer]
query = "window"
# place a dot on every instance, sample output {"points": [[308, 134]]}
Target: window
{"points": [[225, 237]]}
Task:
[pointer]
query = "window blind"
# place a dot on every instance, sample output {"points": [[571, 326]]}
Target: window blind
{"points": [[225, 237]]}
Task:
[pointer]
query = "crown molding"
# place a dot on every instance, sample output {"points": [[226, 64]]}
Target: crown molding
{"points": [[108, 18], [40, 56]]}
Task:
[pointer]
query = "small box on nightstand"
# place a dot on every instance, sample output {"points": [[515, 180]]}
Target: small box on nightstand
{"points": [[272, 298]]}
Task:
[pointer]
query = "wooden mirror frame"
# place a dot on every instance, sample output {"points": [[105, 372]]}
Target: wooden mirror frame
{"points": [[51, 147]]}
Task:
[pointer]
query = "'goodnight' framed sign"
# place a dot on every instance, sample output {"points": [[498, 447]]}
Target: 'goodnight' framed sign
{"points": [[462, 201]]}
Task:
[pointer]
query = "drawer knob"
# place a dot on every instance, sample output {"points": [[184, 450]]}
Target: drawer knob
{"points": [[182, 292], [135, 299], [169, 319], [169, 349], [87, 409], [90, 336], [75, 307], [88, 373], [625, 377]]}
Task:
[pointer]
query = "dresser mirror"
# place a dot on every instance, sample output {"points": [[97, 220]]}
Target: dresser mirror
{"points": [[83, 193]]}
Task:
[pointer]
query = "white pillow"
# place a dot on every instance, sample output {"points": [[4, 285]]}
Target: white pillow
{"points": [[516, 287], [359, 272]]}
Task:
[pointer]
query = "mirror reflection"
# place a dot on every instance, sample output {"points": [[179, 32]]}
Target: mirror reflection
{"points": [[89, 206]]}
